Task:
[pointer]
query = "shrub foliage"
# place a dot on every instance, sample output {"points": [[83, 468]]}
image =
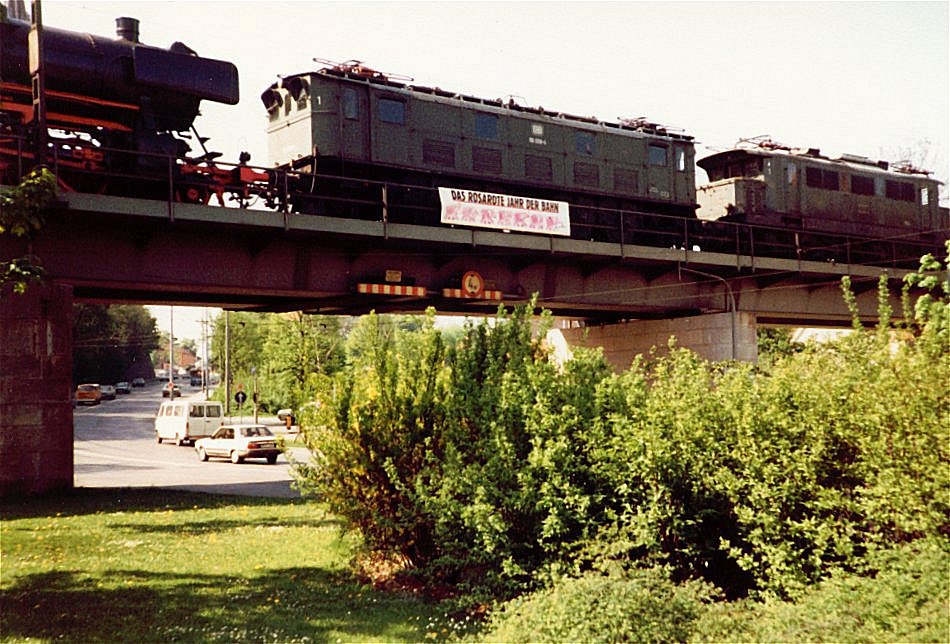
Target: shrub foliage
{"points": [[489, 466]]}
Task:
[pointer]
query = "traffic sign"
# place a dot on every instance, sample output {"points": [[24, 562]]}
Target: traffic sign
{"points": [[240, 397], [472, 284]]}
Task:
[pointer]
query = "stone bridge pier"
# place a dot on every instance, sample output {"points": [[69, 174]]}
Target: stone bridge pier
{"points": [[36, 413], [714, 336]]}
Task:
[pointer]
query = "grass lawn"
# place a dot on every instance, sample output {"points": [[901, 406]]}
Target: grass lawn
{"points": [[152, 565]]}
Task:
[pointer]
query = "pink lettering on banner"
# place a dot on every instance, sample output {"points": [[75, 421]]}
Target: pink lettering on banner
{"points": [[452, 212]]}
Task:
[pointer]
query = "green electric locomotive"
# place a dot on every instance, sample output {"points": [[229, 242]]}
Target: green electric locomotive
{"points": [[376, 148], [761, 182]]}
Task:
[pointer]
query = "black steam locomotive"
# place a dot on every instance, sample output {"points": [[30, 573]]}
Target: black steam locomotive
{"points": [[117, 111], [350, 141]]}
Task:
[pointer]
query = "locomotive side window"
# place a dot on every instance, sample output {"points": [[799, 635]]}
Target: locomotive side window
{"points": [[351, 104], [924, 197], [900, 191], [862, 185], [792, 174], [584, 143], [657, 155], [486, 126], [818, 178], [830, 180], [680, 159], [392, 111]]}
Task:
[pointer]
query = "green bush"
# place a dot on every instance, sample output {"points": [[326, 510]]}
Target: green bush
{"points": [[640, 606], [371, 434], [490, 467], [903, 598]]}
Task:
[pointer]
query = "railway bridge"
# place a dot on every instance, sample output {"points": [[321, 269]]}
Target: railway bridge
{"points": [[622, 296]]}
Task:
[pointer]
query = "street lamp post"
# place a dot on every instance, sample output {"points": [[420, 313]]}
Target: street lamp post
{"points": [[227, 364], [171, 347]]}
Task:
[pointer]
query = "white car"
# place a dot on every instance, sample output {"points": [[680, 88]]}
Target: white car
{"points": [[238, 442]]}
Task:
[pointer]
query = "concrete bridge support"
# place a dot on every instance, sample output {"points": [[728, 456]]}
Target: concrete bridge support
{"points": [[715, 336], [36, 414]]}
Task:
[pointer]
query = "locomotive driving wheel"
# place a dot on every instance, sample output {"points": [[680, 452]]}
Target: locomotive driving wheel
{"points": [[193, 194]]}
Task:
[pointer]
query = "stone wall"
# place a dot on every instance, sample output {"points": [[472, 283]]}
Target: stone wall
{"points": [[36, 414], [710, 335]]}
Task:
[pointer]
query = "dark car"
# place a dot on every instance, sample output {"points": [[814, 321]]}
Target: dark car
{"points": [[123, 388], [138, 382]]}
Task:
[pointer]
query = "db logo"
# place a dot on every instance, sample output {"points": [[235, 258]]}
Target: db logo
{"points": [[472, 284]]}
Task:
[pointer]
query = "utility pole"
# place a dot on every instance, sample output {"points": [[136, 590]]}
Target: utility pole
{"points": [[171, 349], [227, 364], [38, 78]]}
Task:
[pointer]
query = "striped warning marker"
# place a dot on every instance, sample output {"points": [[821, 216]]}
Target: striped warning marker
{"points": [[391, 289], [485, 295]]}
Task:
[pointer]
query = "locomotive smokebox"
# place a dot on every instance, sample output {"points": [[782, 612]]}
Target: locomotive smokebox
{"points": [[127, 29]]}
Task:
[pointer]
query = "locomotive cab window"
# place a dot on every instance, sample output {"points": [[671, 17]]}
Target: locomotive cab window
{"points": [[486, 126], [657, 155], [680, 159], [584, 143], [351, 103], [392, 111]]}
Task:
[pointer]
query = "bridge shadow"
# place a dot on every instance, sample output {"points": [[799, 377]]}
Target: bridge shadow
{"points": [[82, 501], [290, 604]]}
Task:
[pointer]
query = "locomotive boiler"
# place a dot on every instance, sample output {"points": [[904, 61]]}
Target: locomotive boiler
{"points": [[113, 106]]}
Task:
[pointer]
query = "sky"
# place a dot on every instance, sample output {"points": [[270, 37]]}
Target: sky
{"points": [[865, 78]]}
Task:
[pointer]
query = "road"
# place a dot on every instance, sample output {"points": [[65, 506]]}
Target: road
{"points": [[115, 446]]}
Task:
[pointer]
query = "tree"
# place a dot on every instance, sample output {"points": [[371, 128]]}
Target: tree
{"points": [[297, 346], [109, 340], [21, 216]]}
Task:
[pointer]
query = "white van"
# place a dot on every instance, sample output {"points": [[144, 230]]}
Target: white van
{"points": [[188, 420]]}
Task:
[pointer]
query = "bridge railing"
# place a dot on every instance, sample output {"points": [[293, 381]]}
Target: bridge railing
{"points": [[86, 167]]}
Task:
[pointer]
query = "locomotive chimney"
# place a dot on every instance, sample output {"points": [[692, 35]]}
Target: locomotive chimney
{"points": [[127, 29]]}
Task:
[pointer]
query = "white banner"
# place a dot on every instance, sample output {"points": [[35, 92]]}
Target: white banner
{"points": [[505, 212]]}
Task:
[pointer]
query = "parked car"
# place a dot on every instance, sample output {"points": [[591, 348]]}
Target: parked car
{"points": [[107, 391], [88, 394], [123, 388], [238, 442], [171, 390], [138, 382], [188, 420], [195, 381]]}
